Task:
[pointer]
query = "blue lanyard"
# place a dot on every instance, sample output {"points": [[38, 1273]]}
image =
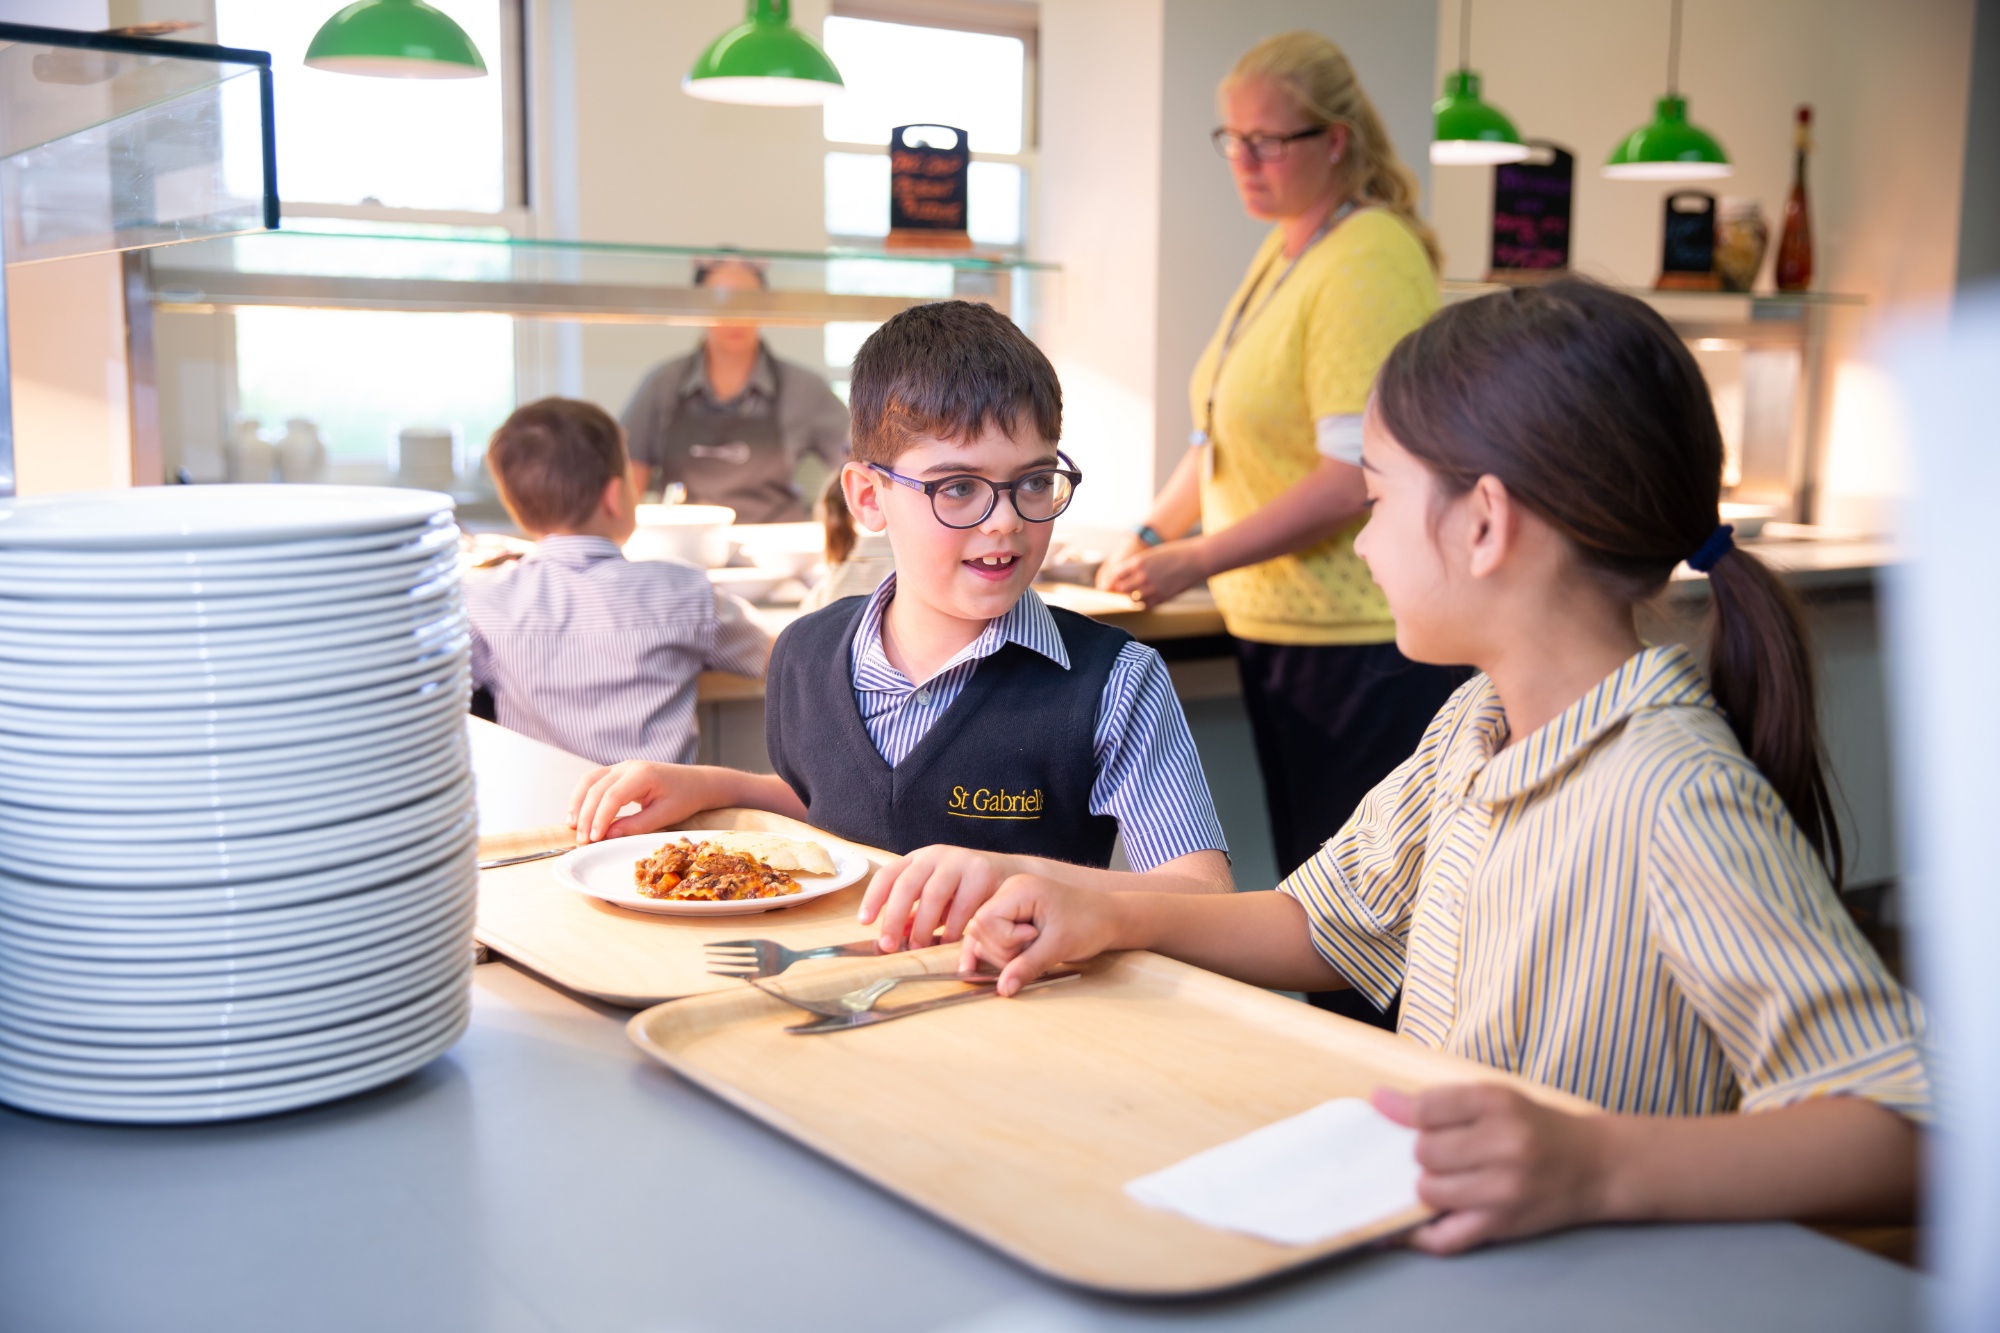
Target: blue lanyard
{"points": [[1202, 434]]}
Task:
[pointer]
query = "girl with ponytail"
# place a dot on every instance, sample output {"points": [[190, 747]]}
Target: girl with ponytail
{"points": [[1605, 868]]}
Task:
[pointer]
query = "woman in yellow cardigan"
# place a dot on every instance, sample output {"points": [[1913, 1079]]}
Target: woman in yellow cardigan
{"points": [[1274, 479]]}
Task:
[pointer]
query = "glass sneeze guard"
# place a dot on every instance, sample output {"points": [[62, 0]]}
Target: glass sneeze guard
{"points": [[343, 266], [111, 143]]}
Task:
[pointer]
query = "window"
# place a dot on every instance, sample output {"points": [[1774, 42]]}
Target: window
{"points": [[448, 145], [447, 370], [909, 73]]}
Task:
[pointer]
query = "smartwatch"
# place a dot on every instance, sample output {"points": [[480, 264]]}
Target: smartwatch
{"points": [[1148, 534]]}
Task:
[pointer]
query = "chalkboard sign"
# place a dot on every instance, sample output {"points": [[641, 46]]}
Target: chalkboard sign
{"points": [[1687, 246], [928, 165], [1531, 212]]}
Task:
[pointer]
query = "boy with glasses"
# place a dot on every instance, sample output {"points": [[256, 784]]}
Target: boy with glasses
{"points": [[952, 716]]}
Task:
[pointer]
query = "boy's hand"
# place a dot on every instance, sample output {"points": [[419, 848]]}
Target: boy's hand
{"points": [[1035, 925], [666, 794], [933, 887], [1499, 1164]]}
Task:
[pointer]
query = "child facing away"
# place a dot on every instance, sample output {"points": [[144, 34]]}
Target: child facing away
{"points": [[951, 716], [579, 646], [856, 562], [1603, 868]]}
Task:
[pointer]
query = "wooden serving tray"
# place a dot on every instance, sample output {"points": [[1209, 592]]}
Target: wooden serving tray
{"points": [[635, 959], [1019, 1121]]}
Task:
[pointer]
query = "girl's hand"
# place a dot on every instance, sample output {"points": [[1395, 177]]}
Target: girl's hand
{"points": [[931, 887], [666, 794], [1155, 574], [1035, 925], [1498, 1164]]}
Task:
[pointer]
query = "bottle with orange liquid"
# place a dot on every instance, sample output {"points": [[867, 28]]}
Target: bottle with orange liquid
{"points": [[1795, 248]]}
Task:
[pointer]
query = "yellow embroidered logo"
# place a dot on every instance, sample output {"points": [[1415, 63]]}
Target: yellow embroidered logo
{"points": [[986, 803]]}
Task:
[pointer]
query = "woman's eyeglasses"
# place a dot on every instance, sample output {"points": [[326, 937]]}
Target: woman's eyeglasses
{"points": [[967, 501], [1261, 147]]}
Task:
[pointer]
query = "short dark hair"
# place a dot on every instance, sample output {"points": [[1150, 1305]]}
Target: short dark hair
{"points": [[551, 460], [945, 370]]}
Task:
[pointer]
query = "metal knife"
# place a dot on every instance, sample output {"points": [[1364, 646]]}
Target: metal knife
{"points": [[873, 1016]]}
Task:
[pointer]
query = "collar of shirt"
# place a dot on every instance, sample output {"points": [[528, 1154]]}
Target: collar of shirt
{"points": [[763, 377], [1028, 623], [1664, 677], [573, 550]]}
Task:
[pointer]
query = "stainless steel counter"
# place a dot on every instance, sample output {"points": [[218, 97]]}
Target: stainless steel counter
{"points": [[544, 1176]]}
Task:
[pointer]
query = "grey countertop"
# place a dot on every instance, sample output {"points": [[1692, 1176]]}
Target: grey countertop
{"points": [[545, 1176]]}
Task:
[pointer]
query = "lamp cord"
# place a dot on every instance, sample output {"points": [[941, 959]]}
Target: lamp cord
{"points": [[1464, 34], [1674, 53]]}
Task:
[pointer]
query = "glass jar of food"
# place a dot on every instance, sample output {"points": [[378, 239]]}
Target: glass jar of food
{"points": [[1741, 237]]}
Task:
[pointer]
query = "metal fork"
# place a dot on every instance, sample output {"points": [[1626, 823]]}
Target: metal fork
{"points": [[862, 1000], [750, 959]]}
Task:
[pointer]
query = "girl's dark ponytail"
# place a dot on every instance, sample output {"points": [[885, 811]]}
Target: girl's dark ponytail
{"points": [[1761, 671], [1589, 408]]}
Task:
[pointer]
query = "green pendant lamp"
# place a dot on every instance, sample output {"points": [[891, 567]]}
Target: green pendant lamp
{"points": [[1670, 147], [395, 39], [1470, 132], [764, 61]]}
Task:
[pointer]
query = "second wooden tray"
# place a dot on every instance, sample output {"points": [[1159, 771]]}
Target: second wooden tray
{"points": [[1020, 1120], [635, 959]]}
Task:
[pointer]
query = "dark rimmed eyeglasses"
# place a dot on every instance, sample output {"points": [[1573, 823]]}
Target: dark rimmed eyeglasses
{"points": [[966, 501], [1262, 147]]}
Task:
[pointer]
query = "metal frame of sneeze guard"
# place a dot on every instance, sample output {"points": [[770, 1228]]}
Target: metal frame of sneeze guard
{"points": [[111, 143]]}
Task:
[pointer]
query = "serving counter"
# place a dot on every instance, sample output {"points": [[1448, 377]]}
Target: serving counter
{"points": [[544, 1175]]}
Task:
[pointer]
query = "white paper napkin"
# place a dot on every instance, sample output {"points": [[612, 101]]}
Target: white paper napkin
{"points": [[1339, 1166]]}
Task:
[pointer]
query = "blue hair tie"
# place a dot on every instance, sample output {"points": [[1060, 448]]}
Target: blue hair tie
{"points": [[1719, 544]]}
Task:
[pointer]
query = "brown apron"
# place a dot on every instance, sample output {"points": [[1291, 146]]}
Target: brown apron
{"points": [[727, 458]]}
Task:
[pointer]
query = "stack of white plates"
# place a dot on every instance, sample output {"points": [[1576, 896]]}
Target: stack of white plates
{"points": [[236, 818]]}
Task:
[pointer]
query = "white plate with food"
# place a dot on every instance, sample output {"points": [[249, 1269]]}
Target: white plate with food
{"points": [[709, 872]]}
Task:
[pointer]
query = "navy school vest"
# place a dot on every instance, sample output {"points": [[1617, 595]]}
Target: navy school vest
{"points": [[1008, 768]]}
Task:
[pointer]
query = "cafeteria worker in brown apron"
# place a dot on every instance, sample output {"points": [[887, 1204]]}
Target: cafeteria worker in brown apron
{"points": [[729, 421]]}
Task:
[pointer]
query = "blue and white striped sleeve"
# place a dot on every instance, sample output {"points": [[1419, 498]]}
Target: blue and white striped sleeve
{"points": [[1149, 776], [739, 646]]}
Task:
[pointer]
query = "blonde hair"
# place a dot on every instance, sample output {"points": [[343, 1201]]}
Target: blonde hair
{"points": [[1315, 74]]}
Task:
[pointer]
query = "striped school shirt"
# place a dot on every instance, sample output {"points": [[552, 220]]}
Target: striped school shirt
{"points": [[599, 655], [1619, 905], [1149, 775]]}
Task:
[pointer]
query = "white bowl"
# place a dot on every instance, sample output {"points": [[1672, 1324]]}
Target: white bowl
{"points": [[752, 585], [696, 534], [404, 862], [790, 548], [174, 517]]}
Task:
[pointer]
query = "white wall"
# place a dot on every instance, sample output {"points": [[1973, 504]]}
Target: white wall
{"points": [[1098, 215], [72, 408]]}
